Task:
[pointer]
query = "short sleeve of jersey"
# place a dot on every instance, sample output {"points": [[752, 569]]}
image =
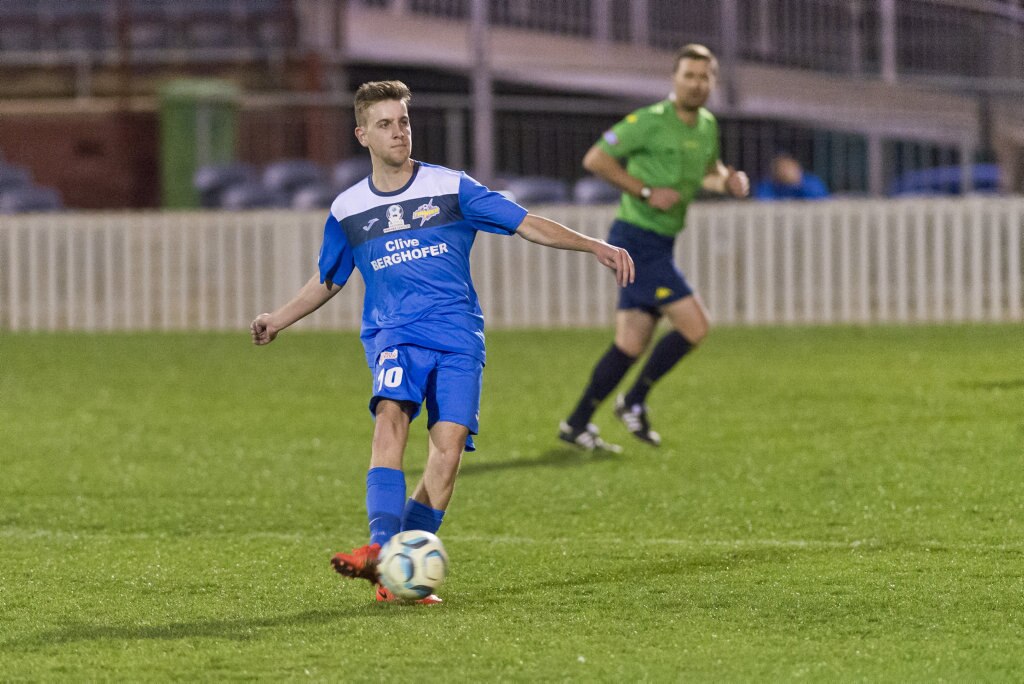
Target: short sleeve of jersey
{"points": [[625, 137], [336, 262], [487, 210]]}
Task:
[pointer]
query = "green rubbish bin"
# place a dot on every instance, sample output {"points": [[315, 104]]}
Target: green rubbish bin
{"points": [[198, 124]]}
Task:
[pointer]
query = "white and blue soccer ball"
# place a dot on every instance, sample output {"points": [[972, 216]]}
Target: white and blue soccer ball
{"points": [[412, 564]]}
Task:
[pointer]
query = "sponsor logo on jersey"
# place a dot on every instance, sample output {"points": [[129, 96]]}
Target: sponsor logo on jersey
{"points": [[663, 293], [610, 138], [396, 219], [425, 212], [407, 250], [369, 225], [389, 355]]}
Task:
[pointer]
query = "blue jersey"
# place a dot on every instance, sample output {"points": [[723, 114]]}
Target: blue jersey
{"points": [[412, 248]]}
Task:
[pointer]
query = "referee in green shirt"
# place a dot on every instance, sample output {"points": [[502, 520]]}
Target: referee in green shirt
{"points": [[670, 150]]}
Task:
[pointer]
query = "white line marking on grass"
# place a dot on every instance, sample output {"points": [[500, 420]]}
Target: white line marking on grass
{"points": [[725, 544]]}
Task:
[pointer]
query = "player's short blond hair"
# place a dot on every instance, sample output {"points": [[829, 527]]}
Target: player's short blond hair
{"points": [[373, 92], [695, 51]]}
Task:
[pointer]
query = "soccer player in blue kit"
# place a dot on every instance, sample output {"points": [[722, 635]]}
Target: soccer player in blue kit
{"points": [[409, 228]]}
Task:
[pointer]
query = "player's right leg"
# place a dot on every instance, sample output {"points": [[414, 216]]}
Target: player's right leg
{"points": [[385, 488], [399, 386]]}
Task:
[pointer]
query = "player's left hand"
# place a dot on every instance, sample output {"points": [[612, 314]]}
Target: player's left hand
{"points": [[736, 183], [618, 260]]}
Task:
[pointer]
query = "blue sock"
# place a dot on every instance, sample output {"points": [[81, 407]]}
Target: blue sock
{"points": [[419, 516], [385, 494]]}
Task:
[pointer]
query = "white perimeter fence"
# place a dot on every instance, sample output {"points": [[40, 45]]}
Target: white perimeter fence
{"points": [[838, 261]]}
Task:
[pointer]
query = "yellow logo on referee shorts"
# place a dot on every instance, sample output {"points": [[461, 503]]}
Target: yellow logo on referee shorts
{"points": [[663, 293]]}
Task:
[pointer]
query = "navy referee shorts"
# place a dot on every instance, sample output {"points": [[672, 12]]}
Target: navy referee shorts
{"points": [[658, 281]]}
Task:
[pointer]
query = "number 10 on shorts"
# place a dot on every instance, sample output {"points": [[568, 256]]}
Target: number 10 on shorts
{"points": [[389, 377]]}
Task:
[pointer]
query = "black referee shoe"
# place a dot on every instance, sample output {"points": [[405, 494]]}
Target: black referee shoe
{"points": [[587, 439], [635, 419]]}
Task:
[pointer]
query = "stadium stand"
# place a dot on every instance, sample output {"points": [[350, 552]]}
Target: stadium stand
{"points": [[82, 25], [29, 198], [12, 176], [288, 175], [212, 181], [348, 171], [537, 189], [947, 180], [593, 190], [252, 196], [318, 196]]}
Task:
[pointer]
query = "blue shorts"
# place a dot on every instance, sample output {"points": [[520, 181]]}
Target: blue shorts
{"points": [[658, 282], [450, 383]]}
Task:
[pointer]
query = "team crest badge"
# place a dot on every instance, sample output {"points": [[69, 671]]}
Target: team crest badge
{"points": [[396, 219], [425, 212]]}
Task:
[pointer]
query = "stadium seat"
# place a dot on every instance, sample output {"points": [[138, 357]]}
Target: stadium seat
{"points": [[350, 171], [946, 180], [150, 26], [29, 198], [289, 175], [206, 23], [318, 196], [12, 176], [82, 25], [538, 190], [594, 190], [270, 26], [211, 181], [252, 196], [21, 29]]}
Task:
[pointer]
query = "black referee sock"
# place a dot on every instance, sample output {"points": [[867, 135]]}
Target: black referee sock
{"points": [[667, 353], [608, 373]]}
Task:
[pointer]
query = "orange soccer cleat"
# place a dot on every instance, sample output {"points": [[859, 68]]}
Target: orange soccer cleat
{"points": [[384, 595], [360, 563]]}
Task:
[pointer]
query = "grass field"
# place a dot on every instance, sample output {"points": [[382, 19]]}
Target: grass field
{"points": [[840, 504]]}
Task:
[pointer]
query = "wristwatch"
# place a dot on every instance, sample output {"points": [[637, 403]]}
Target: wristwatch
{"points": [[645, 192]]}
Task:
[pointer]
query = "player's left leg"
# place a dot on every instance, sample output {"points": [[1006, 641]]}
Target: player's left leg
{"points": [[689, 321], [453, 409], [434, 491]]}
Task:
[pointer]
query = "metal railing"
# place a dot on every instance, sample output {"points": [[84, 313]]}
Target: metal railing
{"points": [[954, 40], [979, 42], [840, 261]]}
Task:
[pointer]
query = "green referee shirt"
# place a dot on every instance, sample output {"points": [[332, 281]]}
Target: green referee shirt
{"points": [[662, 151]]}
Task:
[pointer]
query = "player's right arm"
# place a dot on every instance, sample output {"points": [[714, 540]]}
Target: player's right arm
{"points": [[311, 297]]}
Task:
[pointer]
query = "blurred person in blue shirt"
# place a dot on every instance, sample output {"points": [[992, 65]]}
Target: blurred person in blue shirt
{"points": [[789, 181]]}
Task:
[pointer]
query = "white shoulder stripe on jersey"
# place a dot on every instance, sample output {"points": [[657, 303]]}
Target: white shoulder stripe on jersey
{"points": [[430, 181]]}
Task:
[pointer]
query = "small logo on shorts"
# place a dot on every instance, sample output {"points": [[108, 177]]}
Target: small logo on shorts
{"points": [[663, 293], [390, 355]]}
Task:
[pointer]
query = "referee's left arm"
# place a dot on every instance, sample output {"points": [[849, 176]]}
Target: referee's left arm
{"points": [[726, 180]]}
